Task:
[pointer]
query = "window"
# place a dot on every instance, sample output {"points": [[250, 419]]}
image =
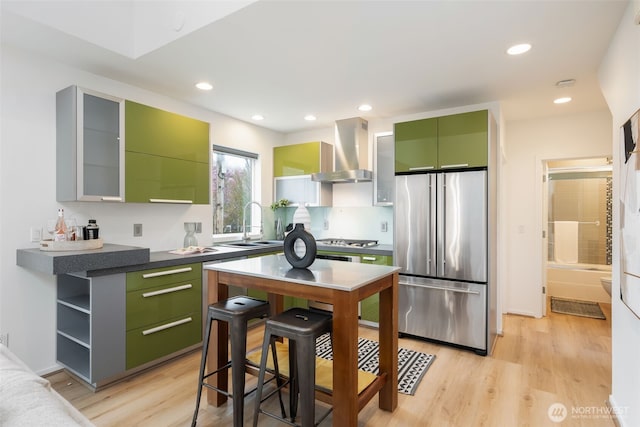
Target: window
{"points": [[233, 178]]}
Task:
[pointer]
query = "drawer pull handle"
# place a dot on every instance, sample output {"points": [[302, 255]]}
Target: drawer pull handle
{"points": [[166, 272], [369, 258], [111, 199], [166, 326], [167, 291], [185, 202], [459, 165], [442, 288], [421, 168]]}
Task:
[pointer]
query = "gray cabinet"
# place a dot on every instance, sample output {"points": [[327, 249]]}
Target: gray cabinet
{"points": [[383, 182], [89, 146], [90, 332]]}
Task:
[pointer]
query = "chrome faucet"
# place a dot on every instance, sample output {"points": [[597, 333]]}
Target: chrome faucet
{"points": [[245, 236]]}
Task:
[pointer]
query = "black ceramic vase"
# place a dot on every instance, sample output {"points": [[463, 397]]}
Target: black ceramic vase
{"points": [[299, 233]]}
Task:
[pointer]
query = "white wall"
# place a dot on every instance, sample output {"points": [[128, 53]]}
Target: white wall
{"points": [[528, 144], [27, 191], [620, 82]]}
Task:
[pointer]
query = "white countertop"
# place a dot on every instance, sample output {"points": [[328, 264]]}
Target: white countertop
{"points": [[341, 275]]}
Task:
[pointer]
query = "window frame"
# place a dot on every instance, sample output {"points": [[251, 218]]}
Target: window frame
{"points": [[255, 193]]}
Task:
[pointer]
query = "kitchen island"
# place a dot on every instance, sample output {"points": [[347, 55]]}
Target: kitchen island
{"points": [[342, 284]]}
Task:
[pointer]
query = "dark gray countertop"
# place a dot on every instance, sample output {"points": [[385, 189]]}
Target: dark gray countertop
{"points": [[112, 259], [60, 262]]}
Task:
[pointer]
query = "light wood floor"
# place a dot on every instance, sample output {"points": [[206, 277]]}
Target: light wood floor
{"points": [[538, 362]]}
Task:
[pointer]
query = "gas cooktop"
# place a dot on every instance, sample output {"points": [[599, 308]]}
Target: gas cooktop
{"points": [[348, 242]]}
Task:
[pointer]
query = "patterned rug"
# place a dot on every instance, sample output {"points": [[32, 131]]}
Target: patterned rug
{"points": [[577, 308], [412, 365]]}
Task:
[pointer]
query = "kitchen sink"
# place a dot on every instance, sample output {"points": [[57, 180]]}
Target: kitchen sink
{"points": [[255, 244]]}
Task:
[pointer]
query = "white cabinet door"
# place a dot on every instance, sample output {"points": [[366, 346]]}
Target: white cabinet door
{"points": [[301, 190]]}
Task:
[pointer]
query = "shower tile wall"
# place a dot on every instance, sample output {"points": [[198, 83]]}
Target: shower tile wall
{"points": [[583, 200]]}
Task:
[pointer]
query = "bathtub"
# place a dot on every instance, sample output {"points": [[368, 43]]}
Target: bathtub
{"points": [[577, 281]]}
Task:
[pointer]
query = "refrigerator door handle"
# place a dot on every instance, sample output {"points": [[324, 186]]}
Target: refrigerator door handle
{"points": [[441, 223], [442, 288]]}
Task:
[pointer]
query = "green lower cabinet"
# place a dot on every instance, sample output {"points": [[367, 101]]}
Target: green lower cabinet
{"points": [[163, 312], [369, 307], [156, 340]]}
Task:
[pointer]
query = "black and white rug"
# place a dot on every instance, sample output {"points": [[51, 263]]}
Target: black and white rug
{"points": [[412, 365], [577, 308]]}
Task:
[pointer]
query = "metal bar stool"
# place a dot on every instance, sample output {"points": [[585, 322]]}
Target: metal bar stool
{"points": [[301, 327], [237, 312]]}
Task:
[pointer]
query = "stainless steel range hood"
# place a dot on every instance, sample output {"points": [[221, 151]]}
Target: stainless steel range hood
{"points": [[350, 153]]}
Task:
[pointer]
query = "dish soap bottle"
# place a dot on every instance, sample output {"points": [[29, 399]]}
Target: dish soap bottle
{"points": [[60, 233]]}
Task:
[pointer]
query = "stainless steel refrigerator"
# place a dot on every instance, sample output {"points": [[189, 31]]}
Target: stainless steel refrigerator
{"points": [[440, 244]]}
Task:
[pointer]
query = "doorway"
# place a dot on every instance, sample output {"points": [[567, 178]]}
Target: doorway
{"points": [[578, 204]]}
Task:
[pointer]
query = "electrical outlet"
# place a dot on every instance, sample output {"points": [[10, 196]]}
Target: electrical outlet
{"points": [[35, 234], [4, 339], [384, 226], [137, 230], [326, 224]]}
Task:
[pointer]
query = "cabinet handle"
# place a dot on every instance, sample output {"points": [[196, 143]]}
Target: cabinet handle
{"points": [[166, 272], [421, 168], [442, 288], [111, 199], [166, 326], [459, 165], [167, 290], [184, 202], [369, 258]]}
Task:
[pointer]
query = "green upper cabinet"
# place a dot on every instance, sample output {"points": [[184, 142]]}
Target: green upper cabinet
{"points": [[416, 146], [166, 157], [302, 159], [160, 179], [463, 140], [153, 131], [455, 141]]}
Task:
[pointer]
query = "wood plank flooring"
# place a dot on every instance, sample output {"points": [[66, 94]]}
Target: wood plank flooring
{"points": [[536, 363]]}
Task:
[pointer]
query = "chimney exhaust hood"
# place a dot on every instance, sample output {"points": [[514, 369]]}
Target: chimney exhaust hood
{"points": [[351, 156]]}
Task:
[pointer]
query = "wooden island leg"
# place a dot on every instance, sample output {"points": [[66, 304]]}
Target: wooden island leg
{"points": [[345, 360], [388, 336]]}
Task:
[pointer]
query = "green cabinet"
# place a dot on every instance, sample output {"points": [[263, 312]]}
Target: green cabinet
{"points": [[416, 145], [163, 312], [292, 169], [463, 140], [455, 141], [369, 307], [302, 159], [166, 156]]}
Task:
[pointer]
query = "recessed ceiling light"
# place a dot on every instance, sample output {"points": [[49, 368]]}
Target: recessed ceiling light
{"points": [[204, 86], [562, 100], [257, 117], [365, 107], [519, 49], [309, 117]]}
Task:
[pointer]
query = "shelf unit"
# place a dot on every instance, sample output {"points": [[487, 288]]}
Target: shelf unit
{"points": [[90, 328]]}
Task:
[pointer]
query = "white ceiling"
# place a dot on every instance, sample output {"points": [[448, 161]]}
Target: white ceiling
{"points": [[285, 59]]}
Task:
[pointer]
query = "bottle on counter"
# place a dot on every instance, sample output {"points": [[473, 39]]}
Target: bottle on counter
{"points": [[91, 230], [60, 232]]}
